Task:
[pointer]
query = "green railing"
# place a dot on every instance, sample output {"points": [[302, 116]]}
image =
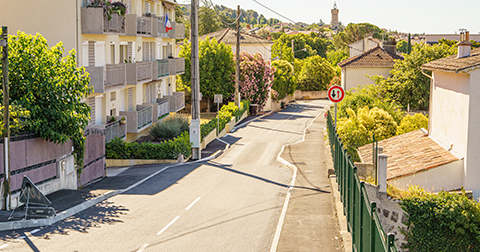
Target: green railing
{"points": [[362, 219]]}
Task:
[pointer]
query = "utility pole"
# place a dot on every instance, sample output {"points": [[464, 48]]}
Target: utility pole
{"points": [[293, 50], [7, 195], [195, 123], [237, 65]]}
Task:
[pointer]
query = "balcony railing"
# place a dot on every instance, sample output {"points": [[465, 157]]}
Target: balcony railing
{"points": [[140, 71], [180, 31], [177, 101], [95, 22], [179, 65], [171, 33], [163, 106], [161, 27], [115, 129], [104, 78], [138, 119], [163, 68], [144, 25]]}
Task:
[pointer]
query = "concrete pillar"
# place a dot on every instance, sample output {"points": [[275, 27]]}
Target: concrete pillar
{"points": [[379, 150], [382, 173]]}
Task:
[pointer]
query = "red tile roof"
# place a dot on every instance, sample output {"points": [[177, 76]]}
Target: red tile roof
{"points": [[453, 64], [375, 57], [409, 153], [229, 37]]}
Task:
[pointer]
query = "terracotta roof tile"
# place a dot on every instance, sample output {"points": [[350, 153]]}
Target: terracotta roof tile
{"points": [[453, 64], [229, 37], [409, 153], [375, 57]]}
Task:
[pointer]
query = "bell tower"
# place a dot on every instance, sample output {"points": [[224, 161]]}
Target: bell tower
{"points": [[334, 23]]}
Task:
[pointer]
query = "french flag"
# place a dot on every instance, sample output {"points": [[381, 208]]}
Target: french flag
{"points": [[168, 26]]}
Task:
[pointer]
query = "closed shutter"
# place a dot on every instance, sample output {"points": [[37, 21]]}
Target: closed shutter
{"points": [[147, 94], [91, 53], [130, 99], [91, 104]]}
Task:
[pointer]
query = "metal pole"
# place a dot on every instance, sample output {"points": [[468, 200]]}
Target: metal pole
{"points": [[7, 195], [218, 119], [195, 134], [335, 117], [237, 65]]}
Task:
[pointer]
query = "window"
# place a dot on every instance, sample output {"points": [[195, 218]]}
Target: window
{"points": [[112, 53], [113, 96], [123, 53]]}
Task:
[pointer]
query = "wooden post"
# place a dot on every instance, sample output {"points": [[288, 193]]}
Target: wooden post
{"points": [[237, 65]]}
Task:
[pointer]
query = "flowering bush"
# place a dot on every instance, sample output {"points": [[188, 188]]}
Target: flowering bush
{"points": [[256, 78], [274, 95]]}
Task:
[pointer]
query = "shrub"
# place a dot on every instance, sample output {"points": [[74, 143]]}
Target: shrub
{"points": [[170, 127], [118, 149], [316, 74], [410, 123], [283, 82], [443, 222]]}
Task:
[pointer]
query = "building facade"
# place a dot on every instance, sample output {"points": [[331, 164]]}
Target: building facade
{"points": [[130, 57]]}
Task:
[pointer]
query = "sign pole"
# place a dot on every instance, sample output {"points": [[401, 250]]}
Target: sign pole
{"points": [[7, 195], [335, 116]]}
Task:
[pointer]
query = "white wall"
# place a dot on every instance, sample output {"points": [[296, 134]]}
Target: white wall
{"points": [[444, 177], [355, 76], [472, 168], [264, 50], [448, 112]]}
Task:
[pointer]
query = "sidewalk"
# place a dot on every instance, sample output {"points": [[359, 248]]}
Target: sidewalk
{"points": [[310, 223]]}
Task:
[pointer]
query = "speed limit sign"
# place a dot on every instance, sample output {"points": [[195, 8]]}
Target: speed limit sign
{"points": [[336, 94]]}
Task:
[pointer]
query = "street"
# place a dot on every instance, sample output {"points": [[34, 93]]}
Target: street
{"points": [[232, 203]]}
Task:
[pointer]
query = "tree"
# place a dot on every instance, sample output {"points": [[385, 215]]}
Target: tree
{"points": [[207, 19], [51, 87], [315, 75], [402, 46], [335, 57], [256, 78], [358, 128], [355, 32], [410, 123], [407, 85], [216, 68], [313, 44], [263, 33], [283, 81]]}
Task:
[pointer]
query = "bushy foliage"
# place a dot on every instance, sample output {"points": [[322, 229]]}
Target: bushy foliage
{"points": [[410, 123], [216, 68], [370, 96], [355, 32], [51, 87], [19, 119], [407, 85], [225, 115], [316, 74], [256, 78], [336, 56], [313, 43], [170, 127], [402, 46], [443, 222], [358, 128], [283, 81], [171, 149]]}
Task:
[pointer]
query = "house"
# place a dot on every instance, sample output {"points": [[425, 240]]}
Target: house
{"points": [[250, 43], [375, 61], [446, 156], [433, 38], [130, 58], [362, 46]]}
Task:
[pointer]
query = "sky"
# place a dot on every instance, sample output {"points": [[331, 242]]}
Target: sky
{"points": [[414, 16]]}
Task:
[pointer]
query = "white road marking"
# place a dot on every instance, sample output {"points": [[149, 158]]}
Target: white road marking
{"points": [[285, 120], [168, 225], [143, 247], [193, 203], [3, 246], [34, 231], [21, 237]]}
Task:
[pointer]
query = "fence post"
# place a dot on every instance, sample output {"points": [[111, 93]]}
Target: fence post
{"points": [[390, 242], [360, 215], [373, 207]]}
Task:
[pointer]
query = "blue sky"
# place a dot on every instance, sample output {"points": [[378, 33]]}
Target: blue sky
{"points": [[429, 16]]}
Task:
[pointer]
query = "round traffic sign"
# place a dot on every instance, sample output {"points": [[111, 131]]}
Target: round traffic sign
{"points": [[336, 93]]}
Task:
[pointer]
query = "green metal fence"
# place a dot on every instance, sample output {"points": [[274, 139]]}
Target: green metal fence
{"points": [[362, 219]]}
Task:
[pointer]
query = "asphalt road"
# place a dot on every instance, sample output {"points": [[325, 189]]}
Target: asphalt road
{"points": [[232, 203]]}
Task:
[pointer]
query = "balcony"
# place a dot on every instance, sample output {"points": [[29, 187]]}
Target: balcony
{"points": [[177, 66], [94, 22], [163, 68], [147, 26], [163, 106], [177, 101], [107, 77], [115, 129], [138, 72], [180, 31], [161, 27], [171, 33], [138, 120]]}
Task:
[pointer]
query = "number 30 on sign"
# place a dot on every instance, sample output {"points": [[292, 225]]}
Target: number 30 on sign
{"points": [[336, 94]]}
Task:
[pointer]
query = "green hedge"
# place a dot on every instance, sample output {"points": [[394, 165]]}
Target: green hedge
{"points": [[225, 115], [118, 149], [443, 222]]}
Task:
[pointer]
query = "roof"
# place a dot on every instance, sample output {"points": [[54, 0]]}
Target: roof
{"points": [[409, 153], [452, 64], [375, 57], [229, 37]]}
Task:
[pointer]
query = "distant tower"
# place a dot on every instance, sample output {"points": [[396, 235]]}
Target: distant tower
{"points": [[334, 23]]}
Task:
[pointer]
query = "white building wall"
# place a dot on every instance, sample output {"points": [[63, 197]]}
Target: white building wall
{"points": [[448, 112], [472, 168], [264, 50], [353, 77]]}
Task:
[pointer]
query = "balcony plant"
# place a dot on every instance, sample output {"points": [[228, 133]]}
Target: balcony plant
{"points": [[123, 121], [109, 8], [112, 119]]}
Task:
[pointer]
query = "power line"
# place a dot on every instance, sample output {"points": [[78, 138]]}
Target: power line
{"points": [[219, 16], [274, 11]]}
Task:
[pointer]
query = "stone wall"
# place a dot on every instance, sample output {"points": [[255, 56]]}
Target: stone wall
{"points": [[390, 214]]}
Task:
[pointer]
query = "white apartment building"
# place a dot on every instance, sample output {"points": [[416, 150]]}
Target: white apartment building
{"points": [[130, 58]]}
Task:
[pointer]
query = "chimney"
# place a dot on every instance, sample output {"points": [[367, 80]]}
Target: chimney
{"points": [[464, 46], [390, 46]]}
